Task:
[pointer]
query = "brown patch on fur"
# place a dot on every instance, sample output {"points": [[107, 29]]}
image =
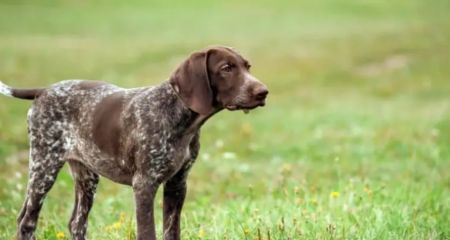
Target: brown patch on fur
{"points": [[86, 85], [107, 124]]}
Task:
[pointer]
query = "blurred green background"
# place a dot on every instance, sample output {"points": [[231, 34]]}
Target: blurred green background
{"points": [[354, 142]]}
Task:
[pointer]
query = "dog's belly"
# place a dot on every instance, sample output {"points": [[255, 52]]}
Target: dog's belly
{"points": [[115, 170], [122, 170]]}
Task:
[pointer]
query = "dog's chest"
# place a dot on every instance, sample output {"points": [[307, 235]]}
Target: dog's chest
{"points": [[166, 158]]}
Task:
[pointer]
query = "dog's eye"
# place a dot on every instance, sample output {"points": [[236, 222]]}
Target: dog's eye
{"points": [[227, 68]]}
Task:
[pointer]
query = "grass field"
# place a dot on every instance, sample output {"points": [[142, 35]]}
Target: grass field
{"points": [[353, 144]]}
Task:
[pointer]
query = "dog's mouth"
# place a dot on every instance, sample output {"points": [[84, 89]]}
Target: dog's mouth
{"points": [[245, 107]]}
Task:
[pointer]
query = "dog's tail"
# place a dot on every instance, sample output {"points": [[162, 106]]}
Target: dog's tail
{"points": [[29, 94]]}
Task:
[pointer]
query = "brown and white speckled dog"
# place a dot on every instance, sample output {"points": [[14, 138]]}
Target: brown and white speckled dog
{"points": [[141, 137]]}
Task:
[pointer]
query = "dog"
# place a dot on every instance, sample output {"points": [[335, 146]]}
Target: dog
{"points": [[141, 137]]}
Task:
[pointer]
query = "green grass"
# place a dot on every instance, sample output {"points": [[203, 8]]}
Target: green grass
{"points": [[359, 104]]}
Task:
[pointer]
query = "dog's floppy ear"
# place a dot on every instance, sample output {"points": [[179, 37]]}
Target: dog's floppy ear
{"points": [[191, 82]]}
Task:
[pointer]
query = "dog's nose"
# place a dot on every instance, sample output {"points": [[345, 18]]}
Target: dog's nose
{"points": [[261, 93]]}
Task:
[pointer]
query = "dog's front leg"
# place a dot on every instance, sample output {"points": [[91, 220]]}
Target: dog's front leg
{"points": [[144, 194], [174, 195]]}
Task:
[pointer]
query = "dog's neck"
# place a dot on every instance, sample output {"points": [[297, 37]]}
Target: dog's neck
{"points": [[183, 119]]}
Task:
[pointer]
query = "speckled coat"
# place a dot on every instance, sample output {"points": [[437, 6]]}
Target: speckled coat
{"points": [[142, 137]]}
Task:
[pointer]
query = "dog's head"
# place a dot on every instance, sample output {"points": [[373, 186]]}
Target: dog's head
{"points": [[218, 78]]}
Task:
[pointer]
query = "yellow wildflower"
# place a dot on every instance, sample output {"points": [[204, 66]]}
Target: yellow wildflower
{"points": [[117, 225], [334, 194], [60, 235], [201, 233], [246, 129], [122, 217], [246, 231], [368, 191], [286, 169]]}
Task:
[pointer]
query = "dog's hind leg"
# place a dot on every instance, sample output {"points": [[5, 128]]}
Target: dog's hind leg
{"points": [[46, 159], [85, 185], [42, 178]]}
